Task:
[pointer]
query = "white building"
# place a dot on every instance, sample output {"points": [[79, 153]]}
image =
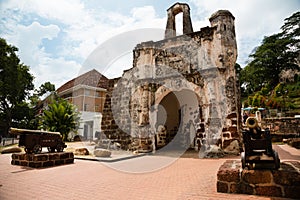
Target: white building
{"points": [[87, 92]]}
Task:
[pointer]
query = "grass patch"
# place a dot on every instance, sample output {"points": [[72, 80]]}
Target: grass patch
{"points": [[278, 143], [11, 145]]}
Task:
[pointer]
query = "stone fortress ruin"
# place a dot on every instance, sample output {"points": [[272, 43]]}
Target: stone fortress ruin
{"points": [[181, 92]]}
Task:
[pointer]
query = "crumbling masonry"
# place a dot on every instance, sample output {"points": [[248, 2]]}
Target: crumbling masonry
{"points": [[181, 90]]}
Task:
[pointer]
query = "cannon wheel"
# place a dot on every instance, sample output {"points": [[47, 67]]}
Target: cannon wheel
{"points": [[27, 150], [276, 160], [51, 149], [59, 148], [243, 159], [37, 148]]}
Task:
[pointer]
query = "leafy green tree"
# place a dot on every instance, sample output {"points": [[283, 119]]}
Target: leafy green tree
{"points": [[278, 52], [15, 85], [45, 88], [238, 69], [37, 104], [291, 27], [60, 116]]}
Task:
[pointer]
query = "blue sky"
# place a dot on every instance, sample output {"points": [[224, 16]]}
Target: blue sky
{"points": [[55, 37]]}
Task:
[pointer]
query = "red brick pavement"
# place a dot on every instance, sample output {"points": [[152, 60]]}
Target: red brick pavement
{"points": [[186, 178]]}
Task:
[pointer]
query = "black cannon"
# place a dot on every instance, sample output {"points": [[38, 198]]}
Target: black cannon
{"points": [[258, 151], [35, 140]]}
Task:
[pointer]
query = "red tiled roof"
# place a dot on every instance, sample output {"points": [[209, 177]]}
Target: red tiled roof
{"points": [[91, 78]]}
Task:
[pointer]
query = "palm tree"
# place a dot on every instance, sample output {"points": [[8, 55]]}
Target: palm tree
{"points": [[60, 116]]}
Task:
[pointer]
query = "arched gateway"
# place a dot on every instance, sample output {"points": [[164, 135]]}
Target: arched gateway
{"points": [[182, 89]]}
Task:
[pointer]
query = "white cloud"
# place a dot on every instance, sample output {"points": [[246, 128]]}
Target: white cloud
{"points": [[105, 27], [253, 19], [55, 70], [67, 11], [31, 38], [82, 29], [78, 30], [143, 13]]}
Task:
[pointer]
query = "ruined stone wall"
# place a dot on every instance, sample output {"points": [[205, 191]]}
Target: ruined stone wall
{"points": [[285, 182], [289, 126], [198, 68], [109, 126]]}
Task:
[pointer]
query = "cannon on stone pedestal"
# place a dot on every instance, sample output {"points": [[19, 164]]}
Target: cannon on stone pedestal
{"points": [[35, 140], [258, 151]]}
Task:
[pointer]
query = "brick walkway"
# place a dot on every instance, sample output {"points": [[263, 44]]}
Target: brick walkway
{"points": [[186, 178]]}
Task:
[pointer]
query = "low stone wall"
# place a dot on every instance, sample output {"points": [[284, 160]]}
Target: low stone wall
{"points": [[43, 159], [284, 182], [289, 126]]}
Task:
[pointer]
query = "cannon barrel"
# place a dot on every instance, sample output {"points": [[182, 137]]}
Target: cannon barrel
{"points": [[252, 123], [17, 131]]}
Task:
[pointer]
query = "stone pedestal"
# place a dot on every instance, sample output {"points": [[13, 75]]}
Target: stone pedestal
{"points": [[284, 182], [43, 159]]}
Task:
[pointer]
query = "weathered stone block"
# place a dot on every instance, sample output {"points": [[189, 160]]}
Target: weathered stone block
{"points": [[268, 191], [222, 187], [233, 188], [280, 183], [287, 175], [21, 156], [257, 176], [40, 157], [35, 164], [28, 157], [71, 155], [232, 129], [15, 162], [245, 188], [59, 162], [54, 156], [24, 163], [292, 192], [42, 160], [49, 163], [81, 151], [287, 178], [232, 115], [233, 148], [69, 161], [229, 174], [226, 135], [235, 135], [102, 153], [234, 122], [64, 155], [14, 156]]}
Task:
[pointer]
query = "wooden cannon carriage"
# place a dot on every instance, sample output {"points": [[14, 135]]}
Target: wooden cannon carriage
{"points": [[258, 151], [35, 140]]}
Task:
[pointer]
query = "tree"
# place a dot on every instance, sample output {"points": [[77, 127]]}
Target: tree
{"points": [[60, 116], [15, 85], [45, 88], [278, 52], [36, 103], [291, 27]]}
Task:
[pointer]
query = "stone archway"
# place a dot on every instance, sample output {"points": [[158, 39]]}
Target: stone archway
{"points": [[187, 23], [196, 64], [177, 113], [168, 118]]}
